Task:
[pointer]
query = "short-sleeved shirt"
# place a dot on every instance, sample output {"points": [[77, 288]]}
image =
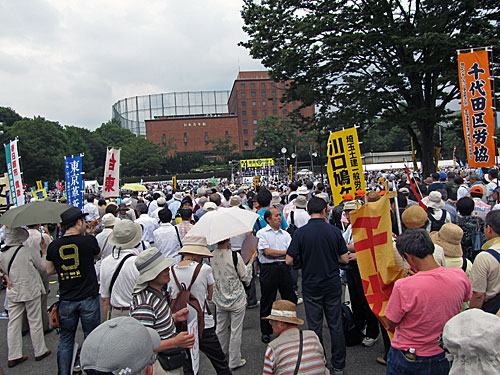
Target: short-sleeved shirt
{"points": [[421, 309], [271, 239], [485, 273], [150, 307], [73, 258], [319, 245]]}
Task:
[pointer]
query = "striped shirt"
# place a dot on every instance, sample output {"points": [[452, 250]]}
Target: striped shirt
{"points": [[150, 307], [282, 354]]}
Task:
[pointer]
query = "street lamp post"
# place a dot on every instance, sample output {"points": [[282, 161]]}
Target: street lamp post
{"points": [[283, 151]]}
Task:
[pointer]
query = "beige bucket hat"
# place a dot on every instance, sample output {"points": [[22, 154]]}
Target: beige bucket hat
{"points": [[196, 245], [150, 263], [449, 238], [284, 311], [126, 234]]}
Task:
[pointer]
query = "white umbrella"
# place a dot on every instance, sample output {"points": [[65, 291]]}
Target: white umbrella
{"points": [[224, 223]]}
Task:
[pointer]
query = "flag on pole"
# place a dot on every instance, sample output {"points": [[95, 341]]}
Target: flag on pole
{"points": [[14, 171], [378, 266], [111, 187]]}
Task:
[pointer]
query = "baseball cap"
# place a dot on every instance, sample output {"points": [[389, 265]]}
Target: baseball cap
{"points": [[477, 189], [109, 347], [347, 197]]}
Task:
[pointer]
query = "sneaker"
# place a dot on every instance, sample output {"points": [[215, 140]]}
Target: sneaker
{"points": [[4, 315], [242, 363], [382, 361], [257, 304], [338, 371], [368, 341], [300, 301]]}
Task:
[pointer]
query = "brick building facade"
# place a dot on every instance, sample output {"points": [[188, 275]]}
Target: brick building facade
{"points": [[253, 96]]}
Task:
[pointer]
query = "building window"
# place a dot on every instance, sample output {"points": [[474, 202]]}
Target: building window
{"points": [[245, 143], [227, 134], [263, 94], [252, 85], [243, 94], [254, 122], [254, 112], [275, 111], [254, 104], [264, 113], [273, 84], [263, 85], [282, 84], [285, 111], [253, 94], [164, 140], [243, 113], [243, 104], [264, 102], [242, 85], [185, 139], [273, 93], [255, 131], [245, 122], [275, 102], [294, 102], [245, 131], [206, 137]]}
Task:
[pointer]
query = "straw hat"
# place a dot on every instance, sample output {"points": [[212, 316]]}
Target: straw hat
{"points": [[15, 236], [126, 234], [414, 217], [284, 311], [350, 205], [234, 202], [449, 238], [300, 202], [196, 245], [434, 200], [108, 220], [372, 196], [150, 263]]}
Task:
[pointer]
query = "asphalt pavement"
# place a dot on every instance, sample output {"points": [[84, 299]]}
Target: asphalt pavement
{"points": [[360, 360]]}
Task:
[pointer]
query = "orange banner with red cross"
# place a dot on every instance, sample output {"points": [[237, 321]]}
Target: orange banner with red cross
{"points": [[378, 266], [477, 108]]}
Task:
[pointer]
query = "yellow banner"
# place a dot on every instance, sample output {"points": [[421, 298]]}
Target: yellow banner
{"points": [[174, 182], [477, 108], [345, 170], [378, 266], [4, 189], [256, 182], [256, 163], [40, 194], [39, 185]]}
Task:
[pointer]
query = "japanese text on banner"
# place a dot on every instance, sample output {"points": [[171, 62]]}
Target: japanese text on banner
{"points": [[14, 172], [477, 112], [111, 183], [345, 170], [73, 172]]}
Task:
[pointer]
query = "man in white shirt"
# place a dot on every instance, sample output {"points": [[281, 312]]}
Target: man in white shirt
{"points": [[300, 215], [126, 238], [162, 203], [274, 273], [91, 209], [108, 221], [493, 184], [166, 238], [149, 225], [154, 203], [463, 190]]}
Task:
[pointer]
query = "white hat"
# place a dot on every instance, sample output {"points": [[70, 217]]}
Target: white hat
{"points": [[209, 206], [303, 190], [108, 220], [276, 198], [15, 236], [178, 196], [434, 200]]}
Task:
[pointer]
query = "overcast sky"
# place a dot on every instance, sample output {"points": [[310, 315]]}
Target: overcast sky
{"points": [[69, 60]]}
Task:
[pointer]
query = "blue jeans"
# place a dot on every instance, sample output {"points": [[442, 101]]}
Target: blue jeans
{"points": [[328, 304], [397, 364], [89, 312]]}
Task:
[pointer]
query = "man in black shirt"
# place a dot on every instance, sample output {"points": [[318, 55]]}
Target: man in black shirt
{"points": [[72, 258], [321, 247]]}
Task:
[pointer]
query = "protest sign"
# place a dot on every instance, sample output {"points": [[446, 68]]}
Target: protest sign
{"points": [[111, 183], [14, 171]]}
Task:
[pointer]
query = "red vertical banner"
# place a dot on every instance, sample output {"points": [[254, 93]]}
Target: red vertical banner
{"points": [[477, 111]]}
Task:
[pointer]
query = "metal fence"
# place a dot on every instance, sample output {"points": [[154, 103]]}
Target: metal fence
{"points": [[132, 112]]}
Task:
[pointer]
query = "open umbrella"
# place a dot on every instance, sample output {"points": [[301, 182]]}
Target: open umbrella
{"points": [[134, 187], [224, 223], [39, 212]]}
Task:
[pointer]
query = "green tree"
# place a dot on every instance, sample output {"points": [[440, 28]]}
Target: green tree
{"points": [[140, 157], [363, 61], [113, 135], [8, 116], [223, 148], [273, 134], [42, 146]]}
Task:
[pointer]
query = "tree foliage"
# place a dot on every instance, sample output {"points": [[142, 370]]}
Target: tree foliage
{"points": [[367, 62], [223, 148], [273, 134]]}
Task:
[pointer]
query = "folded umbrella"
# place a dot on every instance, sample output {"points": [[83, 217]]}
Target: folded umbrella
{"points": [[39, 212], [224, 223]]}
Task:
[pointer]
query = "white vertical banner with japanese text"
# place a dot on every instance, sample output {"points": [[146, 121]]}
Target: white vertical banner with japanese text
{"points": [[111, 184], [344, 167], [14, 173]]}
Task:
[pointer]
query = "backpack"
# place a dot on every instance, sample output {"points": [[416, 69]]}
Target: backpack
{"points": [[235, 263], [353, 336], [185, 298], [436, 224], [292, 227]]}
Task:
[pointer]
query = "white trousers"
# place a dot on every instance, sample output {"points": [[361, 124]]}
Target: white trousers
{"points": [[14, 328], [230, 341]]}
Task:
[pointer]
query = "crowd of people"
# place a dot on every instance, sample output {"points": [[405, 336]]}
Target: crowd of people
{"points": [[129, 267]]}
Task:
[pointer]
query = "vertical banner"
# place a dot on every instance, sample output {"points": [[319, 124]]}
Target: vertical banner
{"points": [[378, 267], [174, 183], [291, 172], [437, 155], [477, 111], [4, 191], [345, 170], [73, 171], [14, 172], [111, 184]]}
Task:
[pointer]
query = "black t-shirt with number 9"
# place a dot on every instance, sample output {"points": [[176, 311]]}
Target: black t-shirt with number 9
{"points": [[73, 258]]}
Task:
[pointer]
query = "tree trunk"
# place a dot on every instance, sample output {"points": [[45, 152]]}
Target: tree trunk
{"points": [[427, 145]]}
